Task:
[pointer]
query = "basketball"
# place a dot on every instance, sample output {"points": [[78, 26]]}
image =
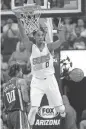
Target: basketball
{"points": [[76, 75]]}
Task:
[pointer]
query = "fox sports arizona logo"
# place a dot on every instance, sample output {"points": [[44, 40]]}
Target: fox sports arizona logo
{"points": [[47, 112]]}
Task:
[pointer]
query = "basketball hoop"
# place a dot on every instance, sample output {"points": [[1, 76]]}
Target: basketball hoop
{"points": [[29, 17]]}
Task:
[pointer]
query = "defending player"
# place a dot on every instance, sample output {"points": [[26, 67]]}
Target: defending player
{"points": [[15, 96], [43, 80]]}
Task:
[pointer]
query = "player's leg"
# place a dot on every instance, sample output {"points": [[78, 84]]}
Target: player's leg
{"points": [[54, 95], [23, 120], [36, 95], [16, 120], [13, 120], [32, 115], [9, 121], [19, 120]]}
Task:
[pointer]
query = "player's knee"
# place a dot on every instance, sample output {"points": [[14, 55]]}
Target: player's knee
{"points": [[62, 111]]}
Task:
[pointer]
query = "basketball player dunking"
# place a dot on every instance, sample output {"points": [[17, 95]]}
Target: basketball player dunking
{"points": [[43, 79]]}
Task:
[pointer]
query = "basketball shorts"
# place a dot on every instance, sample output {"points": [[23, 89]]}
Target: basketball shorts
{"points": [[17, 120], [48, 86]]}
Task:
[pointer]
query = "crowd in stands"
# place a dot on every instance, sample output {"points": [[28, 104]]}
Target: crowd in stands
{"points": [[75, 33], [13, 50]]}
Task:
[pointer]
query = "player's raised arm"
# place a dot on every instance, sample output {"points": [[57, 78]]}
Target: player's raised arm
{"points": [[23, 35], [59, 42]]}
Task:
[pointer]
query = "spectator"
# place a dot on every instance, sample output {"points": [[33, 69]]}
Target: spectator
{"points": [[70, 27], [82, 28], [67, 23], [11, 30], [78, 42], [77, 32], [20, 56], [68, 32]]}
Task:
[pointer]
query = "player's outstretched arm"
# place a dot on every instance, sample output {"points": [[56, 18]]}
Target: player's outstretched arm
{"points": [[24, 37], [59, 42]]}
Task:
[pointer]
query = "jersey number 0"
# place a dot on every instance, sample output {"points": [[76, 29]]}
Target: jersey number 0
{"points": [[11, 96], [47, 64]]}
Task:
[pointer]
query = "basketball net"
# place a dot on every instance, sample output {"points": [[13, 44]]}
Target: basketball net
{"points": [[28, 16]]}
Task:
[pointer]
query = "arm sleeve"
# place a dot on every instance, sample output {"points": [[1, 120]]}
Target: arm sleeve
{"points": [[24, 90]]}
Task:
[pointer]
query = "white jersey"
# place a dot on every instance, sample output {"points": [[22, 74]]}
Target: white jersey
{"points": [[41, 62]]}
